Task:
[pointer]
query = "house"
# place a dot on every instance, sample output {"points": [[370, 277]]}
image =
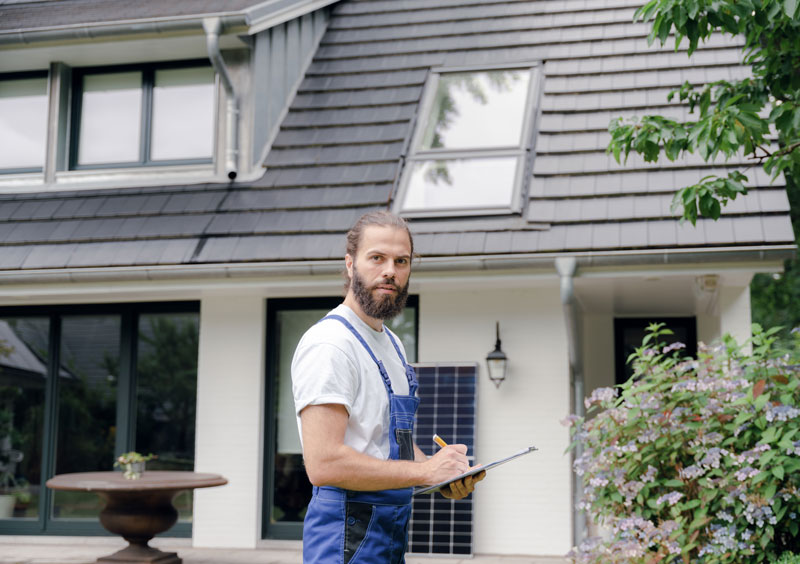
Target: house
{"points": [[176, 179]]}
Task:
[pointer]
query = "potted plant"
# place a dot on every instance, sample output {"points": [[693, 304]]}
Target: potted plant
{"points": [[10, 490], [133, 463]]}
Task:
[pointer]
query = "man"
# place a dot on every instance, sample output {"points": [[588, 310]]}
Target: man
{"points": [[355, 399]]}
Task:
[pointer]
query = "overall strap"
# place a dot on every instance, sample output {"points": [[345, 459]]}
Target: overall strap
{"points": [[410, 374], [385, 375]]}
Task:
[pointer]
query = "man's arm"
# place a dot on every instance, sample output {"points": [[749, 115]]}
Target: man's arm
{"points": [[329, 462]]}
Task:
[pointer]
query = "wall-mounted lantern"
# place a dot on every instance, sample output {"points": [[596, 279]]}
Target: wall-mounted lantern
{"points": [[497, 361]]}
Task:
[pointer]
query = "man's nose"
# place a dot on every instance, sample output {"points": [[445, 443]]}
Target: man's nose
{"points": [[389, 269]]}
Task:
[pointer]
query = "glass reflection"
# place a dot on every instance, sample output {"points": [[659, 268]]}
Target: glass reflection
{"points": [[183, 114], [23, 375], [166, 393], [477, 110], [87, 401], [111, 110], [23, 122], [466, 183]]}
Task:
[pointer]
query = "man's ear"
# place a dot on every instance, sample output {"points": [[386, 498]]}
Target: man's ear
{"points": [[348, 264]]}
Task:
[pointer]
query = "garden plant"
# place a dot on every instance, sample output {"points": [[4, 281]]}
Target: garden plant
{"points": [[695, 460]]}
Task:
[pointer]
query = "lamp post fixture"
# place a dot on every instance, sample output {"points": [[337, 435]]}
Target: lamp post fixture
{"points": [[497, 361]]}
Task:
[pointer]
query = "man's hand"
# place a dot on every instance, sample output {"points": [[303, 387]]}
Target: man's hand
{"points": [[445, 464], [462, 488]]}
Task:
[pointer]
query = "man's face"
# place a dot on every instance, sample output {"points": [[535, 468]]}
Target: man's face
{"points": [[380, 271]]}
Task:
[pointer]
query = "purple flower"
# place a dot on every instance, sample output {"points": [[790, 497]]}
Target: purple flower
{"points": [[671, 498]]}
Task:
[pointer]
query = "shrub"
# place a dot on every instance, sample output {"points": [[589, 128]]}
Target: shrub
{"points": [[694, 460], [788, 558]]}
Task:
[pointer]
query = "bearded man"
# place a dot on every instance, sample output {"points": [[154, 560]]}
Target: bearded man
{"points": [[355, 398]]}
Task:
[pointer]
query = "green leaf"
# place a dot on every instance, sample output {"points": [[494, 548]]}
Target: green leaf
{"points": [[674, 483], [777, 471], [790, 7]]}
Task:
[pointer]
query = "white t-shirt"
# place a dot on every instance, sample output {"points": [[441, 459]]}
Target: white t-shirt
{"points": [[331, 366]]}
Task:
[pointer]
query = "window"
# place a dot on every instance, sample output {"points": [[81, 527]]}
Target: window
{"points": [[151, 115], [629, 332], [82, 384], [287, 490], [23, 123], [468, 153]]}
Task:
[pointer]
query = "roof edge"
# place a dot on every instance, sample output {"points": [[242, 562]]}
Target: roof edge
{"points": [[613, 259], [231, 22]]}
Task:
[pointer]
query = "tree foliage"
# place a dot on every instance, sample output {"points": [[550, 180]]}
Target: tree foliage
{"points": [[758, 116]]}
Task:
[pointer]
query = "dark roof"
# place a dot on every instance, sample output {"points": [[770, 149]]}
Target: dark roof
{"points": [[338, 152]]}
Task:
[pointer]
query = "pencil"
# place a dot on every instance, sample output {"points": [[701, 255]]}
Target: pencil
{"points": [[439, 441]]}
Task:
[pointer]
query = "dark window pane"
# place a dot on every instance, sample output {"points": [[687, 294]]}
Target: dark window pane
{"points": [[166, 393], [629, 333], [23, 375], [87, 401]]}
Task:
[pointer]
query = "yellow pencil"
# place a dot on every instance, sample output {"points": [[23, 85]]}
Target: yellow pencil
{"points": [[439, 441]]}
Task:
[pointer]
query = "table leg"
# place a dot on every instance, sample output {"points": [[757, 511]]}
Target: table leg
{"points": [[138, 517]]}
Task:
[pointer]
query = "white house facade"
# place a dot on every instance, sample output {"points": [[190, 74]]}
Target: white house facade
{"points": [[177, 184]]}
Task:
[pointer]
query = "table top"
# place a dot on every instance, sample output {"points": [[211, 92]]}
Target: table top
{"points": [[151, 480]]}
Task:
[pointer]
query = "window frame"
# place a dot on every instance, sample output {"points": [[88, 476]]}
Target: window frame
{"points": [[129, 313], [523, 151], [148, 71], [26, 75]]}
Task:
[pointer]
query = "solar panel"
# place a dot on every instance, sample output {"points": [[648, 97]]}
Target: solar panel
{"points": [[447, 395]]}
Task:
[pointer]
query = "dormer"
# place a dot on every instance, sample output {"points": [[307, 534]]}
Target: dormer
{"points": [[146, 94]]}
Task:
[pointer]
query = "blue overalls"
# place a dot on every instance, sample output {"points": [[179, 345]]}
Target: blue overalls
{"points": [[352, 527]]}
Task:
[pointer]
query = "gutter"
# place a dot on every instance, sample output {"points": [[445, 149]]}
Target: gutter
{"points": [[213, 27], [483, 263], [566, 267], [83, 32]]}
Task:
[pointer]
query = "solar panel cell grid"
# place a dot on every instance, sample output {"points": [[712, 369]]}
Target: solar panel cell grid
{"points": [[447, 408]]}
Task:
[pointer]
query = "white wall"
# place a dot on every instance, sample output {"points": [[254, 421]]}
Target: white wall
{"points": [[229, 437], [524, 507], [734, 312]]}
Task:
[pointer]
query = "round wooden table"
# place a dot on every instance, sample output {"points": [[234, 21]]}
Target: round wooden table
{"points": [[137, 510]]}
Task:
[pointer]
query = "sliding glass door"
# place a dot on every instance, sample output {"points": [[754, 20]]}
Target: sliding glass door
{"points": [[78, 386]]}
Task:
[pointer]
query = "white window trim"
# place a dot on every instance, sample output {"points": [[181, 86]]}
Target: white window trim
{"points": [[523, 150]]}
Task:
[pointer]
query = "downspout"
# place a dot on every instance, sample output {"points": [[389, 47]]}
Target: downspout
{"points": [[212, 27], [566, 267]]}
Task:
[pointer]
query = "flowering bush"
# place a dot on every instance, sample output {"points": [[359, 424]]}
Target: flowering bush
{"points": [[695, 460]]}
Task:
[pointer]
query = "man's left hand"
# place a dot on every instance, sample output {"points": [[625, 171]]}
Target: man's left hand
{"points": [[462, 488]]}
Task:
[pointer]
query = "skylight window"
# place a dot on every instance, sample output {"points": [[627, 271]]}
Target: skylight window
{"points": [[23, 123], [468, 153]]}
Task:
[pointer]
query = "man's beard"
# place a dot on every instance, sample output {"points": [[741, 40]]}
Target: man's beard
{"points": [[383, 307]]}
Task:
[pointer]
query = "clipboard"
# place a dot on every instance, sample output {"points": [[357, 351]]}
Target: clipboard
{"points": [[473, 471]]}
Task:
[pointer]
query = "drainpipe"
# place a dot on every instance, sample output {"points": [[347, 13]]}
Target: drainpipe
{"points": [[212, 27], [566, 267]]}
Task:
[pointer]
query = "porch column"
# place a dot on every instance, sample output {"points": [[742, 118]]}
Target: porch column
{"points": [[230, 377]]}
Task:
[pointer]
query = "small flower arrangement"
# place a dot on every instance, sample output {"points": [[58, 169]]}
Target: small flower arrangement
{"points": [[134, 463]]}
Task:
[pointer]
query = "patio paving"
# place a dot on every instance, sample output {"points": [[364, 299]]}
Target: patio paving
{"points": [[85, 550]]}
